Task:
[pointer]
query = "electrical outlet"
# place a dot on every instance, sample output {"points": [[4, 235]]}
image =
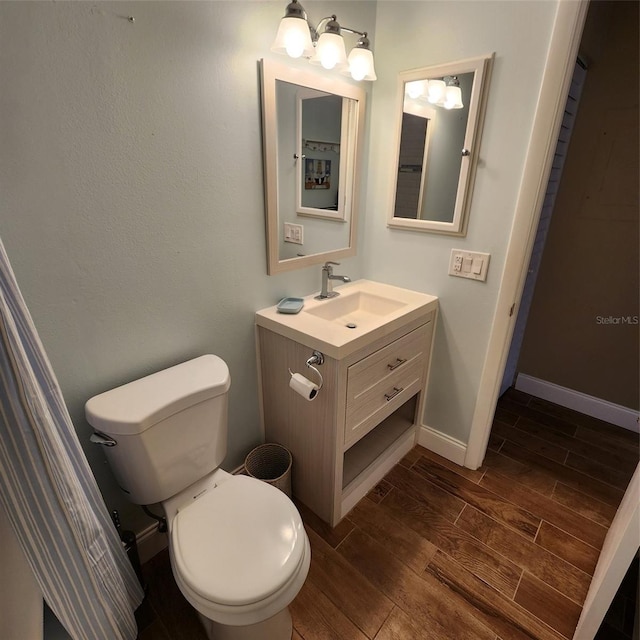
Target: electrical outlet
{"points": [[469, 264], [293, 233]]}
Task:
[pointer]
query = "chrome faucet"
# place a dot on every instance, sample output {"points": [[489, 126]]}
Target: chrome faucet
{"points": [[327, 281]]}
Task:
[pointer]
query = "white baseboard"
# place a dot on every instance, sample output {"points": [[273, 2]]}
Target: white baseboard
{"points": [[590, 406], [442, 444]]}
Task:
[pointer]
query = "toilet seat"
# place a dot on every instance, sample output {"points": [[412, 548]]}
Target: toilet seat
{"points": [[238, 544]]}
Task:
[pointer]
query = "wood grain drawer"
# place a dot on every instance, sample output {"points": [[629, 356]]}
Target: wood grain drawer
{"points": [[378, 384]]}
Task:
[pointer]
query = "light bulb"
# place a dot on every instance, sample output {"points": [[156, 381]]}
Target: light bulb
{"points": [[435, 92], [294, 45], [361, 64], [357, 65], [453, 98], [416, 88], [293, 38], [330, 50]]}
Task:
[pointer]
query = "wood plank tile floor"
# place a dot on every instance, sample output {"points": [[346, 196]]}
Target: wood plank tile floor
{"points": [[437, 551]]}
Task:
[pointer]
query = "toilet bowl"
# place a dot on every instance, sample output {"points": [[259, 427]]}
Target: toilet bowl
{"points": [[239, 552], [244, 573]]}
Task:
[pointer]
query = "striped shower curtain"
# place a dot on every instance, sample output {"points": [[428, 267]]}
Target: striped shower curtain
{"points": [[48, 491]]}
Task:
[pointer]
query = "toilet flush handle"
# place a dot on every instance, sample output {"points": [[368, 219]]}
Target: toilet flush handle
{"points": [[100, 438]]}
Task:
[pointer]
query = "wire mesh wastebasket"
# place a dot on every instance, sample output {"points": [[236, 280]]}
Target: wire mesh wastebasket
{"points": [[270, 463]]}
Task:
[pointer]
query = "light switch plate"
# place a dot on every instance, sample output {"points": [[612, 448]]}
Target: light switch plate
{"points": [[469, 264], [293, 233]]}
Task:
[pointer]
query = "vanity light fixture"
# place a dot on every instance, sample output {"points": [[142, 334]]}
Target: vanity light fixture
{"points": [[441, 93], [435, 91], [297, 37], [330, 51], [452, 93], [416, 89]]}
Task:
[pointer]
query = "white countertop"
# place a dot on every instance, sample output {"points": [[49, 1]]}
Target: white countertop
{"points": [[332, 336]]}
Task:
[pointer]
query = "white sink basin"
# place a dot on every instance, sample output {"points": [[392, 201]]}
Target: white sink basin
{"points": [[363, 311], [356, 308]]}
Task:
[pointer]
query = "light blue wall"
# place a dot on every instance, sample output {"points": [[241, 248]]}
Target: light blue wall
{"points": [[132, 196], [132, 193], [417, 34]]}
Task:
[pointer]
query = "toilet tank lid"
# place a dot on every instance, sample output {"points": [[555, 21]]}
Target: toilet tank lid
{"points": [[138, 405]]}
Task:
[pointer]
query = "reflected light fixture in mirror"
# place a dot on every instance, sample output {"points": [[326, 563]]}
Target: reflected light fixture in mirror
{"points": [[324, 44], [443, 92], [439, 122]]}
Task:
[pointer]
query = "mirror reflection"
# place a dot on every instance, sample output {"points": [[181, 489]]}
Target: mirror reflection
{"points": [[320, 122], [431, 143], [438, 136], [312, 129]]}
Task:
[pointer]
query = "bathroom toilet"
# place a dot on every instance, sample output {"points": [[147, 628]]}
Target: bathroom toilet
{"points": [[239, 552]]}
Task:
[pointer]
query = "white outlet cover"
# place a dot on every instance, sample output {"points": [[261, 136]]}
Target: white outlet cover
{"points": [[293, 233], [472, 265]]}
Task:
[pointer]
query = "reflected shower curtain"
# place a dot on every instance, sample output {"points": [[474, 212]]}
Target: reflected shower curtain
{"points": [[48, 490]]}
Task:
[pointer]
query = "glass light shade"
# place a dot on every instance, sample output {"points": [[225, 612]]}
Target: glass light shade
{"points": [[453, 98], [416, 88], [293, 38], [361, 64], [330, 51], [436, 90]]}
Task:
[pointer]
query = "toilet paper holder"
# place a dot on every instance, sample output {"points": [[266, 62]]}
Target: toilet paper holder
{"points": [[316, 359]]}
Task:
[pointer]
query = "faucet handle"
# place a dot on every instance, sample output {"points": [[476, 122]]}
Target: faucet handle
{"points": [[327, 265]]}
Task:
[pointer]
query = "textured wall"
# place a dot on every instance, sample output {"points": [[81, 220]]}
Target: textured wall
{"points": [[132, 193], [131, 177], [519, 33]]}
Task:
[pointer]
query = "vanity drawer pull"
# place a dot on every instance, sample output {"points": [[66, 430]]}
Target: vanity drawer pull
{"points": [[396, 364], [394, 393]]}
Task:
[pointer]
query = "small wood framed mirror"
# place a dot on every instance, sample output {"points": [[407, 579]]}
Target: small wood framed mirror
{"points": [[438, 129]]}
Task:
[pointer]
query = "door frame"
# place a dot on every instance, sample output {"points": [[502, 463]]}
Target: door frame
{"points": [[556, 80], [619, 548], [623, 537]]}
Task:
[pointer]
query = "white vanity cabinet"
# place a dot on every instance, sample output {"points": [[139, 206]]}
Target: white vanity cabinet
{"points": [[379, 383], [364, 418]]}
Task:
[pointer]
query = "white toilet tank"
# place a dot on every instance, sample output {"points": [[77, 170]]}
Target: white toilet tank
{"points": [[170, 428]]}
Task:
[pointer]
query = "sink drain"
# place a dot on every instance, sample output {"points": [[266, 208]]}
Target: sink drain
{"points": [[351, 325]]}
